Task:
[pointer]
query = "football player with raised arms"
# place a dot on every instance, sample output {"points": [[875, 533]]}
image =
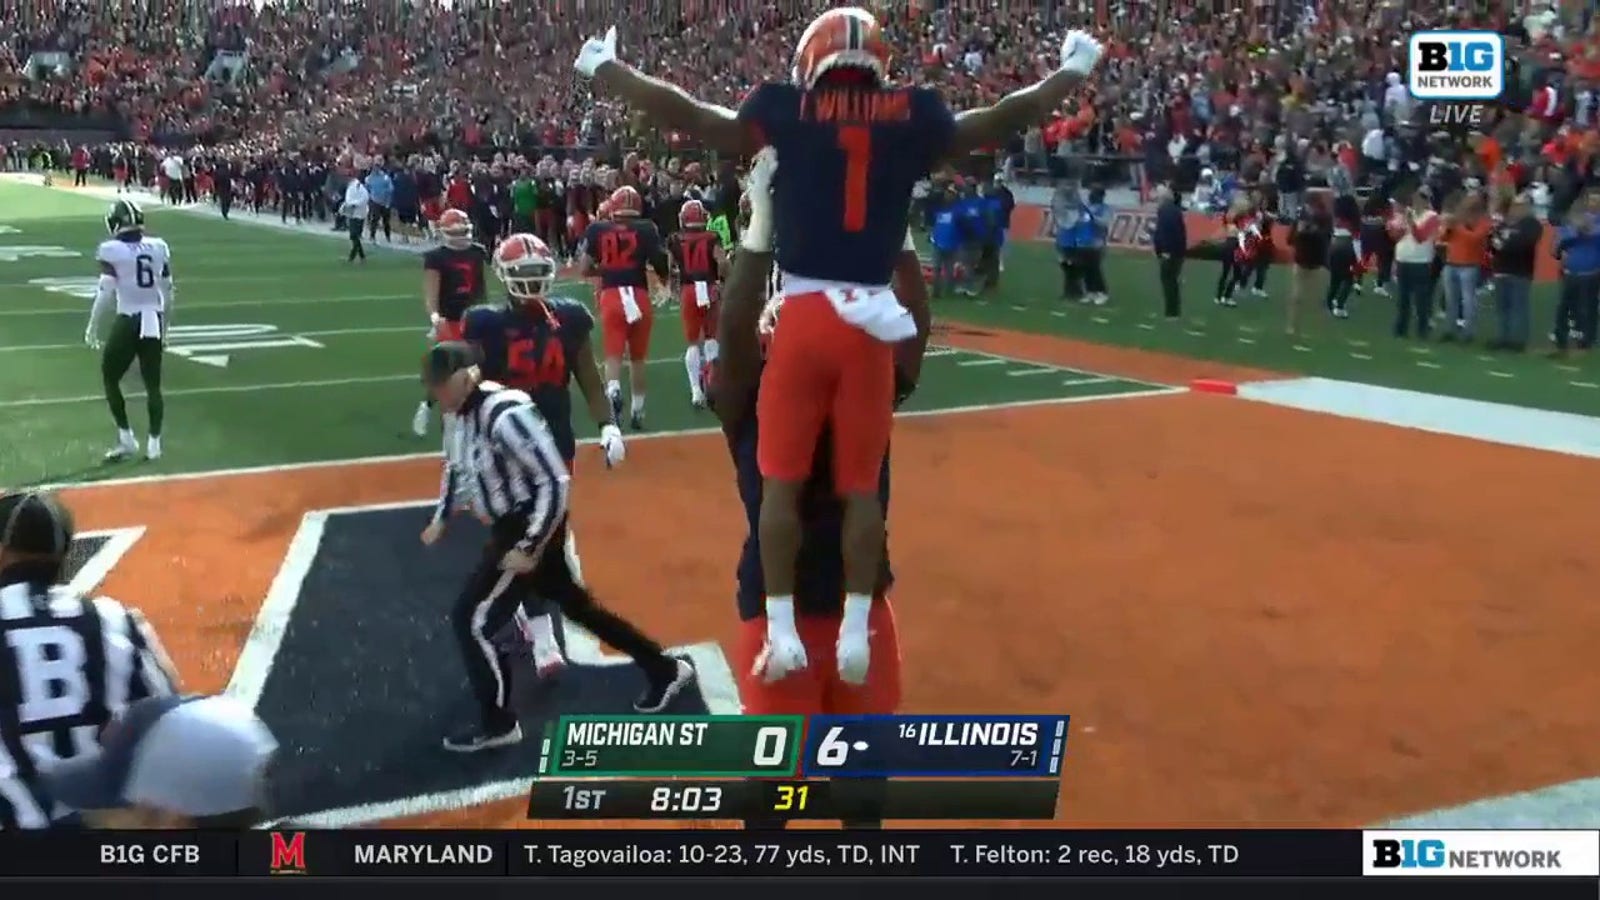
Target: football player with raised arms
{"points": [[856, 145], [452, 281], [136, 285], [540, 344]]}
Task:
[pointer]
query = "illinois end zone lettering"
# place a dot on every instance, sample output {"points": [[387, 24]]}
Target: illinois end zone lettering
{"points": [[340, 598], [1129, 229]]}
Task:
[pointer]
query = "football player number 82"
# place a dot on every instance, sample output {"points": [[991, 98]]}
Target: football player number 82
{"points": [[856, 142]]}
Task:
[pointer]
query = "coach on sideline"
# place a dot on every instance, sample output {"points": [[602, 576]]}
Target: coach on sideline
{"points": [[68, 664], [172, 762]]}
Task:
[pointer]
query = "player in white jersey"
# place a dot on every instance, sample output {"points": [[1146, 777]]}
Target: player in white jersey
{"points": [[135, 279]]}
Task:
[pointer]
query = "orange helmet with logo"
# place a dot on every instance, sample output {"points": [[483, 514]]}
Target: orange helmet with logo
{"points": [[840, 38], [525, 265], [692, 215], [455, 227], [625, 201]]}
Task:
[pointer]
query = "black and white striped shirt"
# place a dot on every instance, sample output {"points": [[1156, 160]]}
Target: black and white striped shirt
{"points": [[501, 460], [68, 666]]}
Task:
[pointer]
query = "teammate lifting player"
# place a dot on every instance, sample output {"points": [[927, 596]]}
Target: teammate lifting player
{"points": [[821, 623], [452, 281], [856, 145], [622, 251], [540, 344]]}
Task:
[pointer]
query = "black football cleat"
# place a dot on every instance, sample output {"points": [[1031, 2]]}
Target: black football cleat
{"points": [[473, 740], [660, 694]]}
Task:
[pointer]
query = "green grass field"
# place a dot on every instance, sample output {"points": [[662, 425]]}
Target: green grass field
{"points": [[1360, 348], [280, 352]]}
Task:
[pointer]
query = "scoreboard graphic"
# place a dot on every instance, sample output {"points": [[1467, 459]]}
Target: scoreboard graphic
{"points": [[825, 767]]}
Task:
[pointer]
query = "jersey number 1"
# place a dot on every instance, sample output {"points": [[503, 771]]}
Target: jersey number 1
{"points": [[856, 142]]}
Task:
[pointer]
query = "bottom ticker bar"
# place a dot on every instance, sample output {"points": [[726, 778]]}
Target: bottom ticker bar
{"points": [[693, 852]]}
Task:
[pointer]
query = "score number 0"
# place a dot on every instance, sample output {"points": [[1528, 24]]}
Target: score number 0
{"points": [[771, 742]]}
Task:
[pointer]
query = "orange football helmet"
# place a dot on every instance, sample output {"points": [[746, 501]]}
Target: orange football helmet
{"points": [[525, 265], [604, 210], [840, 38], [692, 215], [625, 201], [455, 227]]}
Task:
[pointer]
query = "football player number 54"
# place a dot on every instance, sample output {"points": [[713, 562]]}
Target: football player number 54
{"points": [[856, 142]]}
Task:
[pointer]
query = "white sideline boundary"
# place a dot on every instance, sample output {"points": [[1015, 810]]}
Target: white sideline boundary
{"points": [[244, 471]]}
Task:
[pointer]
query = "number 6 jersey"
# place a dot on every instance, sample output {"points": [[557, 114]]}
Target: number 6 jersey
{"points": [[143, 270]]}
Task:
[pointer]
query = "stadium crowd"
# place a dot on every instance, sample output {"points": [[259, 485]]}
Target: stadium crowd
{"points": [[1225, 102]]}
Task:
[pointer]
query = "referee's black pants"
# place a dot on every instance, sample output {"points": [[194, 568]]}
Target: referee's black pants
{"points": [[492, 595]]}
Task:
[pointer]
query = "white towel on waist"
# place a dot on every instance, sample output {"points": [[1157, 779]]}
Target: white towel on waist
{"points": [[150, 323], [876, 311], [702, 294], [630, 305]]}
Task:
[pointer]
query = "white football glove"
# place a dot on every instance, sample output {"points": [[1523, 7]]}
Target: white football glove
{"points": [[433, 325], [611, 443], [597, 52], [1079, 53], [854, 650], [759, 183], [783, 653], [91, 337]]}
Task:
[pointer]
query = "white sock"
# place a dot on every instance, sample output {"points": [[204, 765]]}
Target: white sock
{"points": [[613, 389], [691, 364], [857, 608], [638, 403], [126, 436], [710, 349], [541, 632]]}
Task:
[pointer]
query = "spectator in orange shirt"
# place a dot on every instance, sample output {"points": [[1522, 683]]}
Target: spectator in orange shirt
{"points": [[1466, 239]]}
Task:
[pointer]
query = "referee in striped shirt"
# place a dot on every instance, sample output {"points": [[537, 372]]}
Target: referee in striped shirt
{"points": [[502, 463], [68, 664]]}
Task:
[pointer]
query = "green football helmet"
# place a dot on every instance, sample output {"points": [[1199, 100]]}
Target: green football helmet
{"points": [[124, 216]]}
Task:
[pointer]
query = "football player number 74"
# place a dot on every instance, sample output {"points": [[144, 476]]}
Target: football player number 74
{"points": [[856, 142]]}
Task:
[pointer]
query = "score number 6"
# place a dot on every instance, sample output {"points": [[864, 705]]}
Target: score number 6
{"points": [[833, 750]]}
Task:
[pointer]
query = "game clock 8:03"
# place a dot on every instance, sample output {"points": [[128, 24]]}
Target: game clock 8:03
{"points": [[658, 799], [637, 799]]}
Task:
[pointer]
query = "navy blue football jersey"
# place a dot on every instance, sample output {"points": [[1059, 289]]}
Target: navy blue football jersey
{"points": [[533, 348], [848, 157]]}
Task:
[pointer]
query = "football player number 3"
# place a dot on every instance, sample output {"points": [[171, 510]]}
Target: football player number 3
{"points": [[467, 273], [144, 271], [856, 142]]}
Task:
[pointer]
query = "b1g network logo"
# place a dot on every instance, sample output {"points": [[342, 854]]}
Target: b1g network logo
{"points": [[1460, 66]]}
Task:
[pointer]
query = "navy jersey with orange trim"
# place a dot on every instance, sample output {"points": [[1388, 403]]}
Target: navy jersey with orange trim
{"points": [[533, 348], [848, 156], [622, 250], [694, 253], [461, 277], [819, 585]]}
